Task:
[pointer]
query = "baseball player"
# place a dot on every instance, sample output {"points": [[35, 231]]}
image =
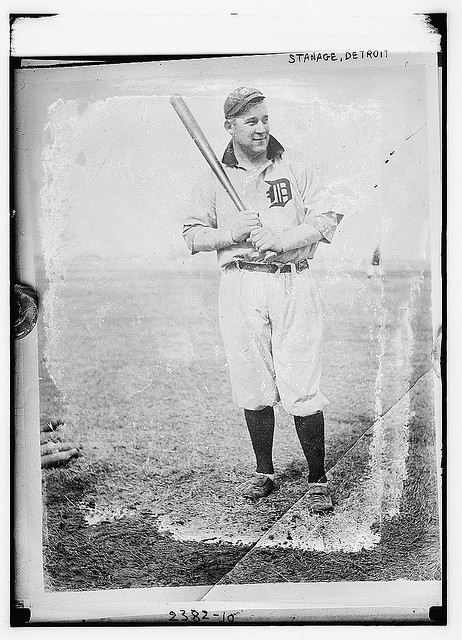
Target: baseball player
{"points": [[269, 309], [375, 267]]}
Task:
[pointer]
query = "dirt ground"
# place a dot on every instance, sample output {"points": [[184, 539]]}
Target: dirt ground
{"points": [[132, 362]]}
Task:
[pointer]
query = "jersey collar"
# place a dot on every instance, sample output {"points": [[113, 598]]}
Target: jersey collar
{"points": [[273, 150]]}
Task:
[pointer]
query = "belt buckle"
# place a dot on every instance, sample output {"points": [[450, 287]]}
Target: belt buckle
{"points": [[278, 268]]}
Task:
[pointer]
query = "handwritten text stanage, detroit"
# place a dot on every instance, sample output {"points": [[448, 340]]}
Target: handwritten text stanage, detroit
{"points": [[314, 56]]}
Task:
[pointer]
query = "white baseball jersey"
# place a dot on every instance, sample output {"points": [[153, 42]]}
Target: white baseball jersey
{"points": [[284, 192]]}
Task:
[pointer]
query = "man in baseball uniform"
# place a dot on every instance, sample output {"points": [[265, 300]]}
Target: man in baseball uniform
{"points": [[269, 309], [375, 268]]}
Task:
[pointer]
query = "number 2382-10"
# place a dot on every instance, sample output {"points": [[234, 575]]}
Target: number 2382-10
{"points": [[199, 616]]}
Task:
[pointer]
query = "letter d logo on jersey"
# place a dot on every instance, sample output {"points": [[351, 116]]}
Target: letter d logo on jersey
{"points": [[279, 192]]}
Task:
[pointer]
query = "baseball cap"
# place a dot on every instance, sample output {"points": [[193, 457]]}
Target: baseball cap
{"points": [[239, 98]]}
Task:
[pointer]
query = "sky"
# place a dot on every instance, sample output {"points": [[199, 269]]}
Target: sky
{"points": [[113, 166]]}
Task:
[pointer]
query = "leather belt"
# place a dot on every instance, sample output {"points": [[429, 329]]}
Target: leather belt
{"points": [[271, 267]]}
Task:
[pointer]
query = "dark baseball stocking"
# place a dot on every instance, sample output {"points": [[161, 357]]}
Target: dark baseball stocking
{"points": [[261, 428], [310, 431]]}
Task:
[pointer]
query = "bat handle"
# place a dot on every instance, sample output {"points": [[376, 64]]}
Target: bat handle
{"points": [[269, 255]]}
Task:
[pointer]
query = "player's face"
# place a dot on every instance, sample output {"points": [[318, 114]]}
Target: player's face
{"points": [[250, 131]]}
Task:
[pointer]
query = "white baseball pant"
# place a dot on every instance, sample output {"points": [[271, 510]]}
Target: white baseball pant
{"points": [[271, 326]]}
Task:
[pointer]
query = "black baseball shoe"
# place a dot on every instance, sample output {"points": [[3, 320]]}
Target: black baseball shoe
{"points": [[319, 500], [258, 487]]}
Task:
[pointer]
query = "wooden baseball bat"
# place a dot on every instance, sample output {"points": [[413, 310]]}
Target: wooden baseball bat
{"points": [[204, 147], [203, 144]]}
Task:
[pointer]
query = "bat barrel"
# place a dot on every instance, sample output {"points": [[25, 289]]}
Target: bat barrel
{"points": [[203, 144]]}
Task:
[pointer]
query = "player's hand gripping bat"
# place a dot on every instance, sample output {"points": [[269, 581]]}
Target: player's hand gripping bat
{"points": [[203, 144]]}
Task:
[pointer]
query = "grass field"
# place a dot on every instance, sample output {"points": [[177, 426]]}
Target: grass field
{"points": [[131, 359]]}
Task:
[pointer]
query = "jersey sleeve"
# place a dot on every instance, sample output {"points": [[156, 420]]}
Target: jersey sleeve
{"points": [[318, 213], [200, 225]]}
